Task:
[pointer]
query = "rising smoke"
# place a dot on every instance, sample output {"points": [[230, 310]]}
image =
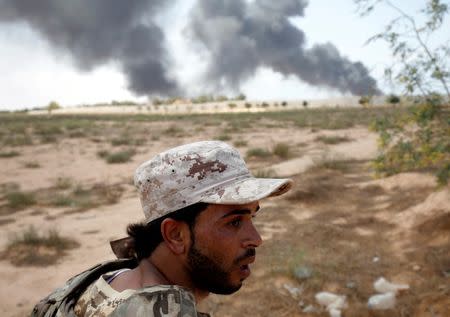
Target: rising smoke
{"points": [[239, 35], [95, 32]]}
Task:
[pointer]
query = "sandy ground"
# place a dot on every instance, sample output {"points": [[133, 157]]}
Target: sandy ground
{"points": [[346, 226]]}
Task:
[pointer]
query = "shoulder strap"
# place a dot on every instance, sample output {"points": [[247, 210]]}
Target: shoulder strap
{"points": [[62, 300]]}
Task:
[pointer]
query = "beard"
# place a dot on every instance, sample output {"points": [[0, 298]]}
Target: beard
{"points": [[207, 273]]}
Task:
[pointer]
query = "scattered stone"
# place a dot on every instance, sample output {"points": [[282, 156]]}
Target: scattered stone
{"points": [[332, 302], [382, 301], [309, 309], [294, 291], [335, 312], [384, 286], [302, 272], [351, 285], [416, 268], [376, 259]]}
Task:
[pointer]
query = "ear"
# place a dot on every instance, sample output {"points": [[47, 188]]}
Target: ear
{"points": [[175, 234]]}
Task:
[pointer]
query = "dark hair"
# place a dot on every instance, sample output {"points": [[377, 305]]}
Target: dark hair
{"points": [[147, 236]]}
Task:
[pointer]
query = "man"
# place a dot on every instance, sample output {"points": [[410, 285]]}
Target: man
{"points": [[198, 237]]}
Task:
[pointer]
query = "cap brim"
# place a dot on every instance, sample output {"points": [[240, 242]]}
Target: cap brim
{"points": [[248, 190]]}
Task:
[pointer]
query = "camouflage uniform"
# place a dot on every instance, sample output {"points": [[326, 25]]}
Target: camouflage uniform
{"points": [[100, 299]]}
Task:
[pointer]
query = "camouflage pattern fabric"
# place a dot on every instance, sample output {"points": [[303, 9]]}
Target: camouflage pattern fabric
{"points": [[101, 300], [207, 171]]}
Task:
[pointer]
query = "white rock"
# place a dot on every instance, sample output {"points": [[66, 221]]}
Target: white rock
{"points": [[309, 309], [334, 312], [331, 301], [384, 286], [294, 291], [382, 301]]}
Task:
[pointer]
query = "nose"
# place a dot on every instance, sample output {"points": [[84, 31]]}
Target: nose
{"points": [[253, 238]]}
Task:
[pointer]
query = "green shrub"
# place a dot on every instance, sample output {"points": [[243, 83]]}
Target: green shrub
{"points": [[32, 164], [30, 248], [9, 154], [102, 153], [333, 139], [63, 183], [265, 173], [281, 150], [393, 99], [62, 201], [18, 200], [120, 157], [258, 152], [418, 141], [223, 137], [240, 143], [173, 131], [18, 140]]}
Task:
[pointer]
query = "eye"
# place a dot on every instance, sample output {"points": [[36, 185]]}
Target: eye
{"points": [[236, 222]]}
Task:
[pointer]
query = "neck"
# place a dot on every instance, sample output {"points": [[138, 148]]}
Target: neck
{"points": [[171, 271], [151, 275]]}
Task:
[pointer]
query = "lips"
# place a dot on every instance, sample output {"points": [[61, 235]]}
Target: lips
{"points": [[244, 269]]}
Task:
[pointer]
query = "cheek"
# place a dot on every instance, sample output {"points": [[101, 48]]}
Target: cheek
{"points": [[221, 245]]}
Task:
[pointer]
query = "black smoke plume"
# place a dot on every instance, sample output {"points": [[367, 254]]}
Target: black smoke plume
{"points": [[241, 36], [95, 32]]}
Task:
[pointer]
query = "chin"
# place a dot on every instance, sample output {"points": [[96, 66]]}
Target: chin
{"points": [[226, 289]]}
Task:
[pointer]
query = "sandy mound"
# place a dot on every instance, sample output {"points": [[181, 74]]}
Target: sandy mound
{"points": [[404, 181], [436, 205]]}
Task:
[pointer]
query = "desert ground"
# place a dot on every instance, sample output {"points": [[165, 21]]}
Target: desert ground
{"points": [[339, 229]]}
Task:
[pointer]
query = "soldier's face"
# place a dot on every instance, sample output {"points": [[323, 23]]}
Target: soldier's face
{"points": [[223, 245]]}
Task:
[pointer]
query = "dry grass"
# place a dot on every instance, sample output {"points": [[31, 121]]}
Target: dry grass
{"points": [[9, 154], [31, 164], [334, 139], [117, 157], [282, 150], [258, 153], [30, 248], [18, 200]]}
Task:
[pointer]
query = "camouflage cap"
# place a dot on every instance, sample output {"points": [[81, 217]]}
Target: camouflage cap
{"points": [[206, 171]]}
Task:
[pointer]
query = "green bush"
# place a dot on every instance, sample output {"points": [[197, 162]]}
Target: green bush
{"points": [[18, 200], [32, 164], [258, 152], [9, 154], [30, 248], [333, 139], [240, 143], [223, 137], [417, 141], [282, 150], [120, 157], [393, 99], [265, 173]]}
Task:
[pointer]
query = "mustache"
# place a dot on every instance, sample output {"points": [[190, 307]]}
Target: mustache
{"points": [[248, 254]]}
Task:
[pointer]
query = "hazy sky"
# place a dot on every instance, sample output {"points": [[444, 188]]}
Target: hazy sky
{"points": [[34, 73]]}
